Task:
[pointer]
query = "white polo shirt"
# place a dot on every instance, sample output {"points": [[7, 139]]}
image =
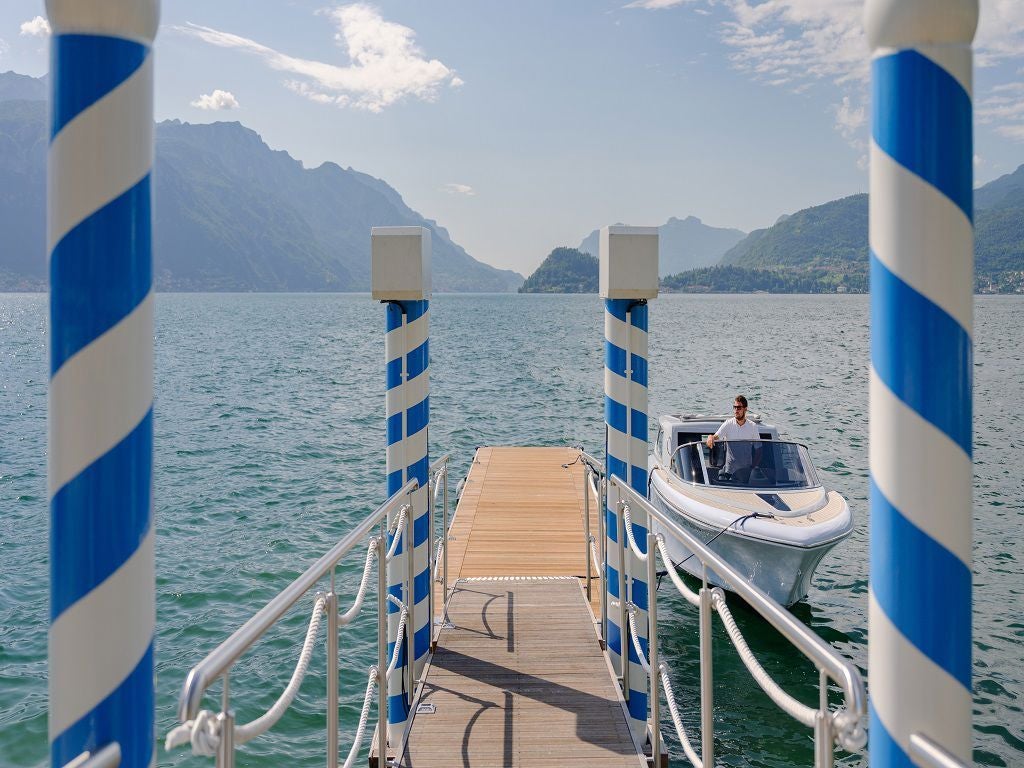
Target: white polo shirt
{"points": [[730, 430], [737, 456]]}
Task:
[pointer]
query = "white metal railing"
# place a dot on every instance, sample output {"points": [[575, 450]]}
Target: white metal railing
{"points": [[842, 726], [105, 757], [218, 734], [927, 753]]}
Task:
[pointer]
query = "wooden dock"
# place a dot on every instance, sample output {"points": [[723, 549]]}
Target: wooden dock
{"points": [[519, 678]]}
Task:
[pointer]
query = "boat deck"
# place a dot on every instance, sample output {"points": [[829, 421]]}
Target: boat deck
{"points": [[519, 677]]}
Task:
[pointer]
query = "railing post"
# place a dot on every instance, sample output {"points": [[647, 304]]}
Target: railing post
{"points": [[653, 656], [603, 536], [586, 526], [410, 623], [431, 488], [444, 552], [628, 278], [623, 573], [382, 647], [100, 447], [824, 754], [400, 277], [707, 679], [331, 605], [226, 748], [922, 286]]}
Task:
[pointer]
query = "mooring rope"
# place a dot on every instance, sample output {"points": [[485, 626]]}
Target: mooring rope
{"points": [[593, 553], [633, 636], [397, 531], [399, 636], [691, 597], [627, 523], [795, 709], [364, 714], [357, 605], [437, 560], [673, 708]]}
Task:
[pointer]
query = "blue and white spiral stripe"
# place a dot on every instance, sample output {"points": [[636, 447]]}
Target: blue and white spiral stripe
{"points": [[102, 605], [407, 352], [922, 279], [625, 409]]}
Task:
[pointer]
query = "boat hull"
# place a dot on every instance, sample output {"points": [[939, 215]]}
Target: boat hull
{"points": [[780, 569]]}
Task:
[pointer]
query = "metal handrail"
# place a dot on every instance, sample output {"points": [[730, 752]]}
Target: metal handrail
{"points": [[107, 757], [221, 658], [843, 726], [928, 753]]}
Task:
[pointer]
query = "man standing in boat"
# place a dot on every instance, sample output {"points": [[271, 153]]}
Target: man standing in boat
{"points": [[739, 456]]}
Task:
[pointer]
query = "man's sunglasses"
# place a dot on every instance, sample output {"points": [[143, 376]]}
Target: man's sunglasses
{"points": [[738, 407]]}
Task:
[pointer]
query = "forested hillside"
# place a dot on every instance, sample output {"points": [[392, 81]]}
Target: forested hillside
{"points": [[565, 270]]}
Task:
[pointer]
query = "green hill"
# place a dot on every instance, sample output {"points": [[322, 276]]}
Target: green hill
{"points": [[565, 270], [829, 236], [825, 248]]}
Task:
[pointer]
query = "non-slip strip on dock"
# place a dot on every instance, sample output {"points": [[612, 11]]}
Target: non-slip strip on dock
{"points": [[519, 679]]}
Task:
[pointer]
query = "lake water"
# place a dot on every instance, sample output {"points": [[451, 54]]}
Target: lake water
{"points": [[270, 444]]}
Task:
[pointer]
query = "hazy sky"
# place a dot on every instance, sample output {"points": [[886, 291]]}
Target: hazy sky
{"points": [[523, 125]]}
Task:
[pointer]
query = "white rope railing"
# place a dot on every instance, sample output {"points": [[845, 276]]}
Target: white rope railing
{"points": [[364, 715], [677, 720], [399, 636], [691, 597], [204, 731], [438, 486], [396, 530], [357, 605], [634, 638], [627, 523], [593, 554], [800, 712], [437, 560]]}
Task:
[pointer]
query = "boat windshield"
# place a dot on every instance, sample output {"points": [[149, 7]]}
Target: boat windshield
{"points": [[757, 464]]}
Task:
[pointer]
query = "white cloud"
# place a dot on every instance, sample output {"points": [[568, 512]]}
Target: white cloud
{"points": [[849, 119], [1000, 32], [385, 63], [217, 100], [655, 5], [798, 43], [458, 189], [1003, 109], [37, 27]]}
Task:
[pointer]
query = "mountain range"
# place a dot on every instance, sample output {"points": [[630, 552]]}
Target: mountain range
{"points": [[823, 249], [231, 214], [683, 244]]}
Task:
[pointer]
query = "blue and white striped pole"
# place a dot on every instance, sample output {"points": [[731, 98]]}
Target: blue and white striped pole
{"points": [[401, 278], [102, 603], [628, 278], [922, 284]]}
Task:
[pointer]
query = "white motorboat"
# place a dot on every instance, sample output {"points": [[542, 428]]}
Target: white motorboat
{"points": [[758, 503]]}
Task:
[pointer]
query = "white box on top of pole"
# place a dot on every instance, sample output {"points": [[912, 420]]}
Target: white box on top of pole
{"points": [[629, 262], [400, 263]]}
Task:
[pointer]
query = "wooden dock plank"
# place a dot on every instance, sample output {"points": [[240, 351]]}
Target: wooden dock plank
{"points": [[521, 513], [519, 678]]}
